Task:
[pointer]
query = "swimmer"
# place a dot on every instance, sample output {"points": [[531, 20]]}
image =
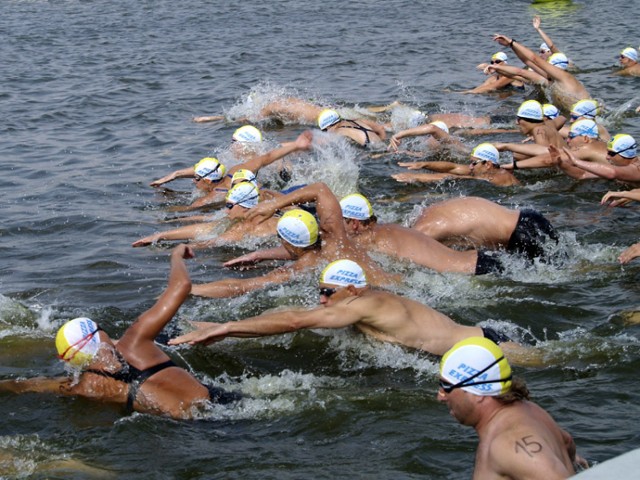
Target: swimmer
{"points": [[583, 142], [530, 120], [243, 139], [587, 109], [212, 177], [437, 134], [623, 162], [309, 243], [132, 371], [566, 89], [409, 244], [517, 438], [481, 223], [364, 133], [484, 165], [496, 81], [629, 62], [547, 47], [346, 300], [286, 110]]}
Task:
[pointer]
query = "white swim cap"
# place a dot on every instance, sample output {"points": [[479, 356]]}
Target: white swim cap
{"points": [[344, 273], [245, 194], [210, 169], [327, 118], [486, 151], [530, 110], [584, 126], [247, 133], [466, 359], [356, 206], [298, 227], [77, 341], [441, 125], [500, 56], [624, 145], [544, 47], [631, 53], [587, 108], [559, 60], [243, 175], [550, 111]]}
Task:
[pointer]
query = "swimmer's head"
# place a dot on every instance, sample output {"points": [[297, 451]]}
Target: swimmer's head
{"points": [[550, 111], [441, 125], [77, 341], [630, 53], [209, 169], [584, 127], [247, 134], [245, 194], [356, 206], [559, 60], [587, 108], [343, 273], [327, 118], [544, 48], [243, 175], [623, 145], [499, 57], [298, 228], [531, 110], [476, 365], [486, 152]]}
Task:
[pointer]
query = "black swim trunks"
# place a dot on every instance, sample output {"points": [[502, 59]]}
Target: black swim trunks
{"points": [[487, 263], [530, 235], [494, 336]]}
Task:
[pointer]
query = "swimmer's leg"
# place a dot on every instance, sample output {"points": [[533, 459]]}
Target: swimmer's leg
{"points": [[522, 355]]}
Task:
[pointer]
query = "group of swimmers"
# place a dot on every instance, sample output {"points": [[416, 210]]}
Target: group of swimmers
{"points": [[317, 231]]}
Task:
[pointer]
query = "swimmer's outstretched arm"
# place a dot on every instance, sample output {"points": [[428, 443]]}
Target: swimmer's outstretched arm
{"points": [[630, 253], [186, 232], [545, 38], [58, 385], [303, 142], [423, 177], [208, 118], [184, 173], [620, 198], [521, 74], [276, 253], [436, 166], [429, 129], [234, 287]]}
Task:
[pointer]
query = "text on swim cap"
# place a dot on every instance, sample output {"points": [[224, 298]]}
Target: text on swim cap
{"points": [[463, 372]]}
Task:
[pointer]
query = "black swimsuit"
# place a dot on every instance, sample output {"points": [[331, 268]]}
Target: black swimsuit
{"points": [[357, 126]]}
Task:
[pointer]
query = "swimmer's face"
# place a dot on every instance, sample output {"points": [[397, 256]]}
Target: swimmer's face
{"points": [[459, 402], [545, 54], [331, 294], [624, 61], [203, 184], [296, 252], [478, 165], [235, 211]]}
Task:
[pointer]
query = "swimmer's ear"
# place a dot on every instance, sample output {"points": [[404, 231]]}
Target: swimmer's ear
{"points": [[352, 290]]}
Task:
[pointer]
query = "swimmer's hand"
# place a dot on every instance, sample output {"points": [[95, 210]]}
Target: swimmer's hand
{"points": [[205, 333], [413, 165], [264, 209], [243, 260], [629, 254], [143, 242], [404, 177], [502, 39], [615, 199], [209, 118], [183, 251]]}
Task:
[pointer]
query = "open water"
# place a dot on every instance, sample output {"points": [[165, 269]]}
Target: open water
{"points": [[97, 100]]}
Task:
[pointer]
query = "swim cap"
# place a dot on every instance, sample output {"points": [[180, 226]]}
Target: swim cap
{"points": [[356, 206], [630, 53], [248, 133], [344, 273], [584, 126], [486, 151], [210, 169], [559, 60], [530, 110], [501, 56], [243, 175], [245, 194], [545, 47], [298, 227], [585, 108], [327, 118], [77, 341], [471, 356], [550, 111], [441, 125], [623, 144]]}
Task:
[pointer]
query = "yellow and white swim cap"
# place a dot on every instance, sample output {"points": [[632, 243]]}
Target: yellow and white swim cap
{"points": [[499, 56], [486, 151], [77, 341], [530, 110], [248, 134], [624, 145], [559, 60], [298, 227], [243, 175], [587, 108], [327, 118], [245, 194], [344, 273], [210, 169], [467, 358], [441, 125], [630, 53], [356, 206], [550, 111], [584, 126]]}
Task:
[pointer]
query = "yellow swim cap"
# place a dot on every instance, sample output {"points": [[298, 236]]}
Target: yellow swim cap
{"points": [[247, 133], [77, 341], [298, 227], [327, 118], [210, 169], [356, 206], [344, 273]]}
